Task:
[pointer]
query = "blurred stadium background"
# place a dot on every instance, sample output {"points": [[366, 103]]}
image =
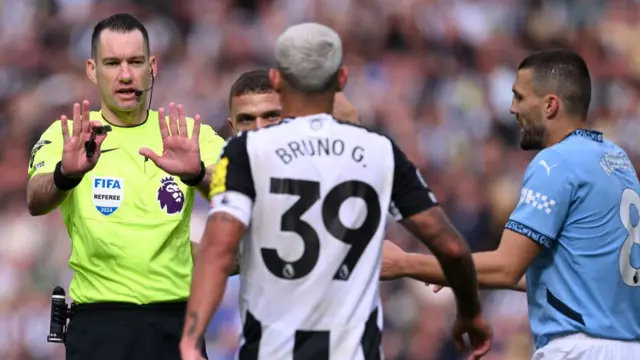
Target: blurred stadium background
{"points": [[436, 75]]}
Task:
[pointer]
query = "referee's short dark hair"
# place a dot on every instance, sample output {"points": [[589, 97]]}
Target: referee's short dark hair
{"points": [[122, 23], [251, 82], [564, 73]]}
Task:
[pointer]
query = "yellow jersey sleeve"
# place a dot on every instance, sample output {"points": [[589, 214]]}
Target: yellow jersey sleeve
{"points": [[47, 152], [210, 145]]}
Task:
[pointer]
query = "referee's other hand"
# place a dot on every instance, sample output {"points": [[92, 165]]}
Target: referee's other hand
{"points": [[75, 162], [180, 150]]}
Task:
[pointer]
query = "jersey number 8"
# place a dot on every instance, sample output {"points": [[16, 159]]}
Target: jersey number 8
{"points": [[630, 275], [308, 193]]}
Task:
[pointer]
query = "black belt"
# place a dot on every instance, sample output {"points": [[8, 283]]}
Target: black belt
{"points": [[109, 306]]}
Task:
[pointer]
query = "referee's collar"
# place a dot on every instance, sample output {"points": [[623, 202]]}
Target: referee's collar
{"points": [[126, 127]]}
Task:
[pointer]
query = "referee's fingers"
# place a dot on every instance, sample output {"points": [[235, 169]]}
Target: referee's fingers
{"points": [[195, 134], [182, 121], [83, 117], [162, 119], [150, 154], [86, 113], [173, 121], [77, 123], [65, 128]]}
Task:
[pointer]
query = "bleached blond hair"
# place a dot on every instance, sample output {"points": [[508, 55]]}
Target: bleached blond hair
{"points": [[309, 56]]}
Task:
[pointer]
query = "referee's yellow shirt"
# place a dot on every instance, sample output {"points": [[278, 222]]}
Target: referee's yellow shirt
{"points": [[129, 221]]}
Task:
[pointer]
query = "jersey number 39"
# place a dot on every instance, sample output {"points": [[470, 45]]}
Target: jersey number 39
{"points": [[630, 275], [308, 193]]}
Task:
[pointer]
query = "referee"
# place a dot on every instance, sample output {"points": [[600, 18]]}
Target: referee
{"points": [[126, 208]]}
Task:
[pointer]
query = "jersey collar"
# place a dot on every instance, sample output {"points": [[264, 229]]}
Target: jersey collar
{"points": [[322, 116], [586, 133], [120, 126]]}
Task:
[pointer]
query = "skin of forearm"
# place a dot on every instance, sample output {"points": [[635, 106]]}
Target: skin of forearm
{"points": [[491, 274], [42, 194]]}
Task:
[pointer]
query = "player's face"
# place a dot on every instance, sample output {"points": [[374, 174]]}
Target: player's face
{"points": [[122, 66], [254, 111], [527, 106]]}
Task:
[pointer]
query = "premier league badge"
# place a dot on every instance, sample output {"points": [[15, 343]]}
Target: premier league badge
{"points": [[170, 196]]}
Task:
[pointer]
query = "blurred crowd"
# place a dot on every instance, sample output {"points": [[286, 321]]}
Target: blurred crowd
{"points": [[435, 75]]}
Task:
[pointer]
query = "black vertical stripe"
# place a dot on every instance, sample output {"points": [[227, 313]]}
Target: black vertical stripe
{"points": [[312, 345], [252, 333], [372, 338]]}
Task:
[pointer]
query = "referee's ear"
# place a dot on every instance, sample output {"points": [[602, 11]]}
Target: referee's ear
{"points": [[91, 71]]}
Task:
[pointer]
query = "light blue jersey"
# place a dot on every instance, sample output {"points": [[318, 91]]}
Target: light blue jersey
{"points": [[580, 201]]}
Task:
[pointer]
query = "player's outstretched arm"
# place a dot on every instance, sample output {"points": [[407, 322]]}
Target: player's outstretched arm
{"points": [[500, 269], [434, 229]]}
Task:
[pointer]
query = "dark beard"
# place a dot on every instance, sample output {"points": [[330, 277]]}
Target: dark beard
{"points": [[533, 138]]}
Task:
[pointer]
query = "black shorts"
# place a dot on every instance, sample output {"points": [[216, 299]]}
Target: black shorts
{"points": [[116, 331]]}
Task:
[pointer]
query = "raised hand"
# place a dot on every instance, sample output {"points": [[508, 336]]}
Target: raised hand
{"points": [[75, 162], [180, 153], [479, 333]]}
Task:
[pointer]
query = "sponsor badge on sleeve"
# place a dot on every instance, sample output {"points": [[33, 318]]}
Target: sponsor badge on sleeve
{"points": [[219, 182]]}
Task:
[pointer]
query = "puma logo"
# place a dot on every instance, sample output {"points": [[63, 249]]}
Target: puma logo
{"points": [[546, 166]]}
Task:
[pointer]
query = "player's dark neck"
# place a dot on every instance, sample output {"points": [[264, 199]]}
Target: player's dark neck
{"points": [[295, 104], [124, 118]]}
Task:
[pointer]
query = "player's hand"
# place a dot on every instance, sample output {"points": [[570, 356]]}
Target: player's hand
{"points": [[75, 162], [393, 260], [190, 353], [344, 110], [479, 333], [180, 153]]}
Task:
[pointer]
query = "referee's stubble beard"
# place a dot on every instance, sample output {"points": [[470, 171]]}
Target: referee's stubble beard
{"points": [[121, 66]]}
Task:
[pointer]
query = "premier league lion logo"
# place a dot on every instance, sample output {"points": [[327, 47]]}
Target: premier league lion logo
{"points": [[170, 196]]}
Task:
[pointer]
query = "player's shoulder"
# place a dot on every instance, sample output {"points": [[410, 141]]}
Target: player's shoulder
{"points": [[361, 129], [553, 162], [553, 154]]}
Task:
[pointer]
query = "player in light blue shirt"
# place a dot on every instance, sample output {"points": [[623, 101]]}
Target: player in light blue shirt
{"points": [[574, 227]]}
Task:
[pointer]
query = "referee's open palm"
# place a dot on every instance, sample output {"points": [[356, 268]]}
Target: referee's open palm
{"points": [[180, 153], [75, 162]]}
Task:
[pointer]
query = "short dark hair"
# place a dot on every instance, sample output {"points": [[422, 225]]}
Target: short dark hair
{"points": [[251, 82], [122, 23], [564, 73]]}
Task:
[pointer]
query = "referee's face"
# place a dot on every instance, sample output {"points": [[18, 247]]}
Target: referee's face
{"points": [[122, 66], [254, 111]]}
